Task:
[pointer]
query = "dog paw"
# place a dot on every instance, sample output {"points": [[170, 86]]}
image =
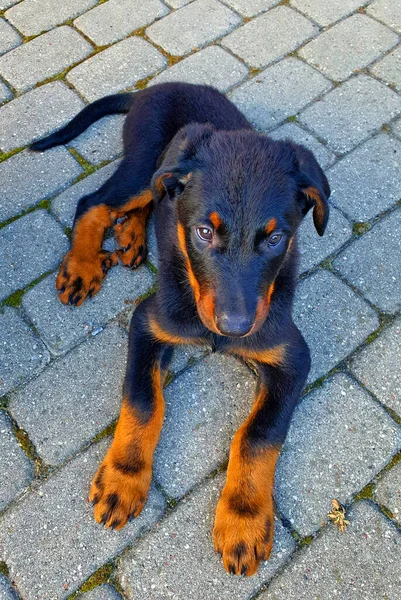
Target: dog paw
{"points": [[130, 236], [118, 496], [81, 276], [243, 540]]}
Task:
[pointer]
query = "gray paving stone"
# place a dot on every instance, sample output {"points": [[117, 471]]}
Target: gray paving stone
{"points": [[5, 93], [177, 559], [250, 8], [43, 57], [361, 563], [378, 278], [22, 354], [389, 69], [333, 320], [75, 398], [325, 13], [102, 141], [36, 114], [279, 92], [115, 19], [367, 181], [188, 28], [32, 17], [388, 491], [353, 44], [396, 128], [177, 3], [352, 112], [6, 592], [377, 367], [51, 542], [16, 472], [339, 439], [65, 204], [211, 66], [291, 131], [313, 249], [270, 36], [185, 356], [103, 592], [62, 327], [387, 11], [204, 408], [116, 68], [29, 247], [9, 38], [43, 175], [6, 3], [153, 254]]}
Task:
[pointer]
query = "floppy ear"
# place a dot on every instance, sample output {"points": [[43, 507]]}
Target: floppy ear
{"points": [[179, 161], [314, 189]]}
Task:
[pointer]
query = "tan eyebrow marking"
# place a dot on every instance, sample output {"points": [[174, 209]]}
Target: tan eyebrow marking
{"points": [[215, 219], [271, 226]]}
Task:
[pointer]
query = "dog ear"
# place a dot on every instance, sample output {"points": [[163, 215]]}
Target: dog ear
{"points": [[180, 158], [313, 187]]}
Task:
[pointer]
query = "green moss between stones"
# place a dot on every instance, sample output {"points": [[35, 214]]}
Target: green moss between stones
{"points": [[4, 569], [106, 432], [360, 228], [99, 577], [305, 541], [87, 166], [15, 298], [151, 267], [6, 155], [366, 493], [291, 119], [254, 71]]}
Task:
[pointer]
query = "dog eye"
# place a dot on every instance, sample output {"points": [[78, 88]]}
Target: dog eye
{"points": [[205, 234], [274, 239]]}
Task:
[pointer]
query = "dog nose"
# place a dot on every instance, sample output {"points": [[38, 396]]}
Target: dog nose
{"points": [[233, 325]]}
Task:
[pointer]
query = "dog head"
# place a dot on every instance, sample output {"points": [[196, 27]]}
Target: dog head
{"points": [[238, 198]]}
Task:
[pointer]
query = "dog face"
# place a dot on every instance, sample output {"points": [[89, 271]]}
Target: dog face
{"points": [[239, 198]]}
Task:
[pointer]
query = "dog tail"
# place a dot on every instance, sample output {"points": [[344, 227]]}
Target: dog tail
{"points": [[110, 105]]}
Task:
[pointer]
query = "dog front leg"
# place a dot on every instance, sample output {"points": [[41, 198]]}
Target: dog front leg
{"points": [[244, 525], [120, 487]]}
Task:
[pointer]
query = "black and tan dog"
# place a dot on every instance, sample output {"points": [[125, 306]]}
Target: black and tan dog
{"points": [[228, 202]]}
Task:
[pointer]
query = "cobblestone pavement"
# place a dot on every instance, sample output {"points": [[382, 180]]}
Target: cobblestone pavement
{"points": [[326, 73]]}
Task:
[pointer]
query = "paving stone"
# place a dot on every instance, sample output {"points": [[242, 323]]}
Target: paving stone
{"points": [[388, 491], [387, 11], [279, 92], [270, 36], [29, 247], [22, 354], [367, 181], [65, 204], [6, 3], [250, 8], [5, 93], [102, 141], [186, 356], [51, 542], [186, 29], [116, 68], [211, 66], [291, 131], [378, 278], [6, 592], [153, 254], [43, 175], [62, 327], [43, 57], [204, 408], [32, 17], [9, 38], [326, 456], [16, 472], [177, 3], [396, 128], [361, 563], [332, 318], [36, 114], [353, 44], [352, 112], [377, 367], [94, 372], [325, 13], [103, 592], [115, 19], [389, 69], [171, 562], [313, 249]]}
